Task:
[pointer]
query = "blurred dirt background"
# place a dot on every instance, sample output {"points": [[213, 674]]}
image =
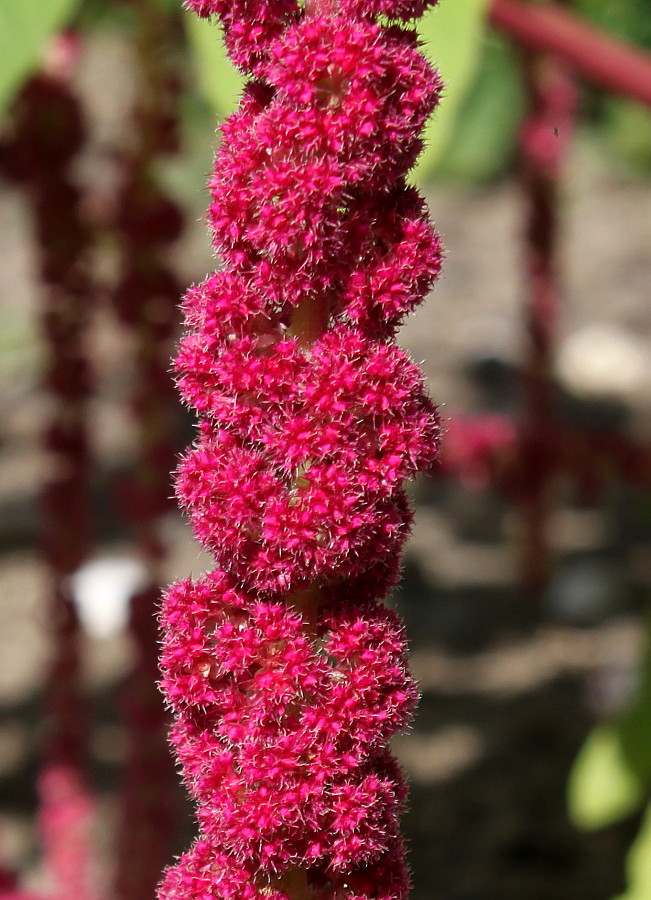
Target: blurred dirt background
{"points": [[510, 689]]}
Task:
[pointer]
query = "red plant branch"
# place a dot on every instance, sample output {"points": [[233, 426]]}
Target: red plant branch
{"points": [[487, 449], [599, 57], [544, 139]]}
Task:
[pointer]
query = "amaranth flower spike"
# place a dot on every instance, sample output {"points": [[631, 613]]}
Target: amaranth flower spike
{"points": [[286, 673]]}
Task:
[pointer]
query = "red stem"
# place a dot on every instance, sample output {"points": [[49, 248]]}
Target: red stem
{"points": [[544, 140], [600, 58]]}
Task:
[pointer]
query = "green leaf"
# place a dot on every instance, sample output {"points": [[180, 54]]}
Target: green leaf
{"points": [[219, 81], [171, 7], [485, 131], [612, 773], [628, 131], [628, 19], [452, 36], [25, 26], [638, 863], [603, 786]]}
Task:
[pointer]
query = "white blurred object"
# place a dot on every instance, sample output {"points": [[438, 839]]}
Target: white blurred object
{"points": [[605, 361], [102, 589], [586, 591]]}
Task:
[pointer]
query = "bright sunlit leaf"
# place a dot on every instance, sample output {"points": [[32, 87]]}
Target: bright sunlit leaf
{"points": [[638, 864], [612, 773], [603, 786], [219, 81], [452, 39]]}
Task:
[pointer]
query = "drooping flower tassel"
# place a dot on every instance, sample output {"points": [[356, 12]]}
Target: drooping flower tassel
{"points": [[48, 132], [286, 672], [149, 798], [147, 223]]}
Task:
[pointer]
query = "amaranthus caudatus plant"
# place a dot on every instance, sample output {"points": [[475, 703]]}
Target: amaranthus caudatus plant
{"points": [[286, 672]]}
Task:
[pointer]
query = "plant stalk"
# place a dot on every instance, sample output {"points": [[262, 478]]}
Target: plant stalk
{"points": [[600, 58]]}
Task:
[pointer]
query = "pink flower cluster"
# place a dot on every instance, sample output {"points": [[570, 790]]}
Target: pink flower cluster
{"points": [[282, 737], [285, 671]]}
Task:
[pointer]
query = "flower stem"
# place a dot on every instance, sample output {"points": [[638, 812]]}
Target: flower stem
{"points": [[544, 143], [294, 884], [309, 320], [600, 58]]}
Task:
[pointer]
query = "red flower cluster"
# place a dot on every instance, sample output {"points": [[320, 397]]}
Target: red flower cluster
{"points": [[283, 737], [285, 671]]}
